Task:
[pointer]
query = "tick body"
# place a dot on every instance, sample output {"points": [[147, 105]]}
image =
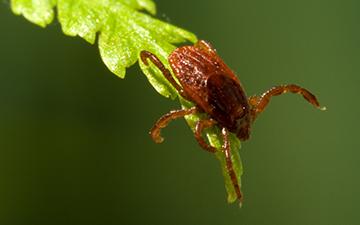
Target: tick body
{"points": [[207, 81]]}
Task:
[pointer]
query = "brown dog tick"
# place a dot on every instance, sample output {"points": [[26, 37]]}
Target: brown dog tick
{"points": [[207, 81]]}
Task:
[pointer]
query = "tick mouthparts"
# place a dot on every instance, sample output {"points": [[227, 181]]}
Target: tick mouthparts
{"points": [[322, 108]]}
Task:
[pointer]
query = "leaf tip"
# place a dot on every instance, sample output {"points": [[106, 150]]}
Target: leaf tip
{"points": [[41, 16]]}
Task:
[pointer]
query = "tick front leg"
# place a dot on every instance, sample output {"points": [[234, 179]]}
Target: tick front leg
{"points": [[144, 55], [165, 120], [229, 164], [259, 103], [200, 126]]}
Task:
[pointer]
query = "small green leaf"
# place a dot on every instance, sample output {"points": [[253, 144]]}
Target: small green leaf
{"points": [[123, 32]]}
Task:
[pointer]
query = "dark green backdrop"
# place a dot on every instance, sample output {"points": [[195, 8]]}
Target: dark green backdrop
{"points": [[74, 144]]}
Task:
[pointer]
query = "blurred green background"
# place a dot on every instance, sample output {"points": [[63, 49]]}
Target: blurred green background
{"points": [[74, 144]]}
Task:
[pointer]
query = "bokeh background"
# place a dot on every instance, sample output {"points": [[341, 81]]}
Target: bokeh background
{"points": [[74, 144]]}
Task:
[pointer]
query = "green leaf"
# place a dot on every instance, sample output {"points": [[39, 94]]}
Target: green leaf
{"points": [[123, 32]]}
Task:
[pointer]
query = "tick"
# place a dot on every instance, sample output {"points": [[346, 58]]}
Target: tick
{"points": [[204, 79]]}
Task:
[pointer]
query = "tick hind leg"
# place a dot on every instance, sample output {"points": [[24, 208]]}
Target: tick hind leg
{"points": [[259, 103], [229, 164], [165, 120], [145, 55], [200, 126]]}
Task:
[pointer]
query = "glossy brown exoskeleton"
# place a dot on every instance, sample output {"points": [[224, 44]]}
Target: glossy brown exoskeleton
{"points": [[207, 81]]}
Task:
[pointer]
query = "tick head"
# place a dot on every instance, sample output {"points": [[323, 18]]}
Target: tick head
{"points": [[243, 127]]}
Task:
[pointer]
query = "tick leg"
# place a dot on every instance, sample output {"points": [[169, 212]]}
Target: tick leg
{"points": [[229, 164], [200, 126], [259, 103], [165, 120], [154, 59]]}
